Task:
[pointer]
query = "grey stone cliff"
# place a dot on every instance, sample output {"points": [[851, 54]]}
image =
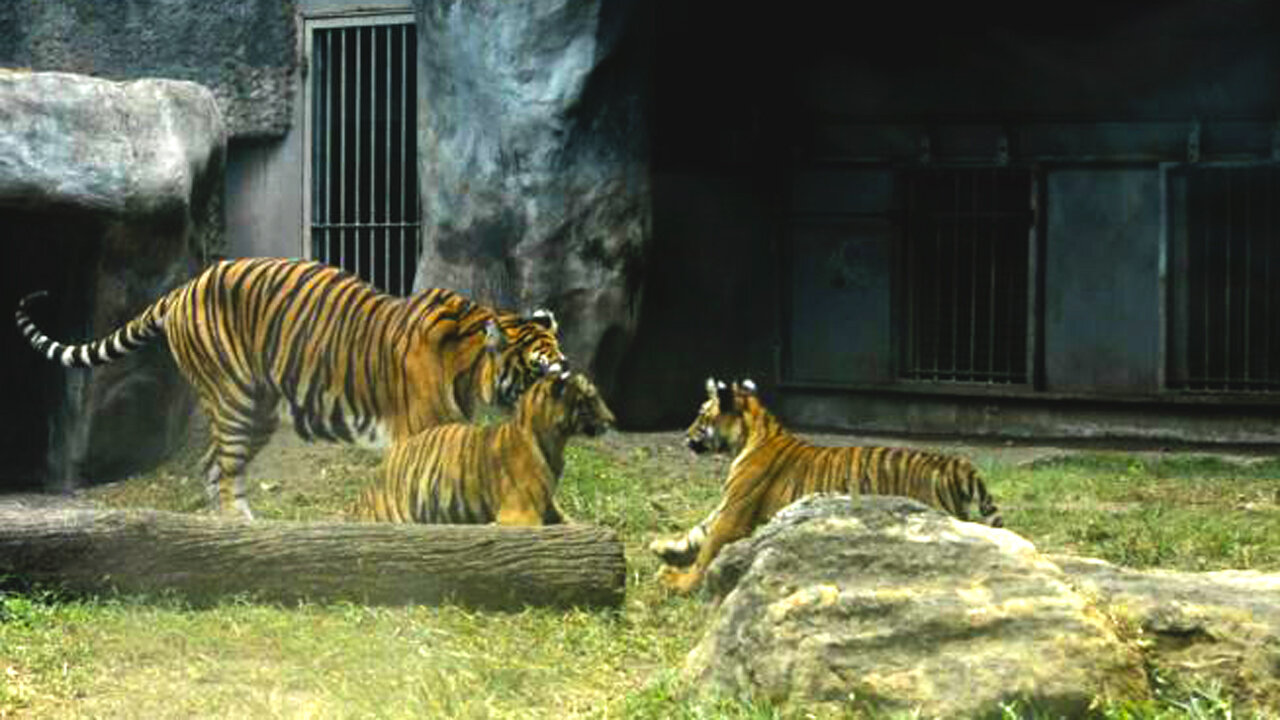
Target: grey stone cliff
{"points": [[533, 163]]}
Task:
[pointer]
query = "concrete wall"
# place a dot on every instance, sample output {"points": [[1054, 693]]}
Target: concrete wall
{"points": [[823, 125]]}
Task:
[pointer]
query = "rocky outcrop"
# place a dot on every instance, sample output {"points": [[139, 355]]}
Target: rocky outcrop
{"points": [[533, 163], [1210, 628], [884, 604], [113, 192], [245, 51]]}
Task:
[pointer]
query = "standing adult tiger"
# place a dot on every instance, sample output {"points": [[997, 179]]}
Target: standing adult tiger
{"points": [[772, 468], [354, 364], [505, 473]]}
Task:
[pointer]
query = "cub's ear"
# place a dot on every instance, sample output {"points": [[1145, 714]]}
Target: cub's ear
{"points": [[711, 387], [747, 386], [494, 340], [724, 396], [545, 318]]}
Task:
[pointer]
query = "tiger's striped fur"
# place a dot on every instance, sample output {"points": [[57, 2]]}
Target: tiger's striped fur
{"points": [[507, 473], [772, 468], [353, 364]]}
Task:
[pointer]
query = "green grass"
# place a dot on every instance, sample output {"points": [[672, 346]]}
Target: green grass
{"points": [[1188, 512], [158, 657]]}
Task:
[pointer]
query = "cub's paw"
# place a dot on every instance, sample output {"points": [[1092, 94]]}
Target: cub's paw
{"points": [[678, 553], [681, 582]]}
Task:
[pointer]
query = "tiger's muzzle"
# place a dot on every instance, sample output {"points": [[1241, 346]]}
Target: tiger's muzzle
{"points": [[700, 443]]}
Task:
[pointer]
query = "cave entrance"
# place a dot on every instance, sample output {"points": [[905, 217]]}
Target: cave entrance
{"points": [[54, 250]]}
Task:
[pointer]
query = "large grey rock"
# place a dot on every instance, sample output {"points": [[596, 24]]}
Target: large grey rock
{"points": [[533, 162], [112, 193], [245, 51], [140, 148], [1218, 627], [884, 603]]}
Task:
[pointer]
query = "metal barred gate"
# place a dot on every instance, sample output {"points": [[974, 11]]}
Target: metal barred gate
{"points": [[1224, 278], [361, 148]]}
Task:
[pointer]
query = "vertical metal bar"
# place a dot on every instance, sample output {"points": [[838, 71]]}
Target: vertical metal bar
{"points": [[404, 116], [993, 258], [936, 330], [328, 150], [1273, 249], [357, 107], [1226, 290], [1248, 270], [342, 151], [1205, 274], [317, 102], [908, 273], [386, 173], [372, 232], [1031, 278], [955, 277], [973, 283], [1010, 347]]}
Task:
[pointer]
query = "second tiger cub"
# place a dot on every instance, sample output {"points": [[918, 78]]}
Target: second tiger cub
{"points": [[506, 473]]}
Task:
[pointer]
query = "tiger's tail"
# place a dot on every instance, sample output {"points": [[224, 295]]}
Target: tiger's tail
{"points": [[143, 328]]}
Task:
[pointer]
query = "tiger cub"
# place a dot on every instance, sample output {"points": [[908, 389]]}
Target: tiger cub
{"points": [[352, 364], [772, 468], [505, 473]]}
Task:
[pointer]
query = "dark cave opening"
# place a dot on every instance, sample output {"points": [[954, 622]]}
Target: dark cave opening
{"points": [[53, 250]]}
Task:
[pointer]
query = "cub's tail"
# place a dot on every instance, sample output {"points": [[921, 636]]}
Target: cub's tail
{"points": [[145, 327]]}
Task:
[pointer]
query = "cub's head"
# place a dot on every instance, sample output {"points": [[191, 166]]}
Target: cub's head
{"points": [[721, 425], [524, 348], [569, 402]]}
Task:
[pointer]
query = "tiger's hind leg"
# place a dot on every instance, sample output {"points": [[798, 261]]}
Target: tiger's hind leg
{"points": [[238, 436]]}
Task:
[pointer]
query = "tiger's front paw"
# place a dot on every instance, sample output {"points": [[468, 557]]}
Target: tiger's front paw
{"points": [[681, 582], [674, 552]]}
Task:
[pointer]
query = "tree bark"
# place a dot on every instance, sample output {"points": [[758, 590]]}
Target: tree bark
{"points": [[204, 558]]}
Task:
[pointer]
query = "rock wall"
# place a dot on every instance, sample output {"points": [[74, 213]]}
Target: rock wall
{"points": [[245, 51], [113, 193], [532, 146], [1220, 627]]}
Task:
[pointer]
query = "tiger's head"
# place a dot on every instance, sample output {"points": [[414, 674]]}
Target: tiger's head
{"points": [[524, 348], [721, 425], [570, 403]]}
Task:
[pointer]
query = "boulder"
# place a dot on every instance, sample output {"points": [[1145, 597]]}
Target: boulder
{"points": [[113, 194], [532, 150], [884, 604], [1210, 628]]}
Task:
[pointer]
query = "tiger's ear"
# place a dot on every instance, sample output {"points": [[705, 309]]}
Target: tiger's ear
{"points": [[494, 340], [545, 318], [747, 386], [711, 387]]}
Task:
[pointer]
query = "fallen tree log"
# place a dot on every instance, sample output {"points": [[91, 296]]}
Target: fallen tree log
{"points": [[203, 558]]}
